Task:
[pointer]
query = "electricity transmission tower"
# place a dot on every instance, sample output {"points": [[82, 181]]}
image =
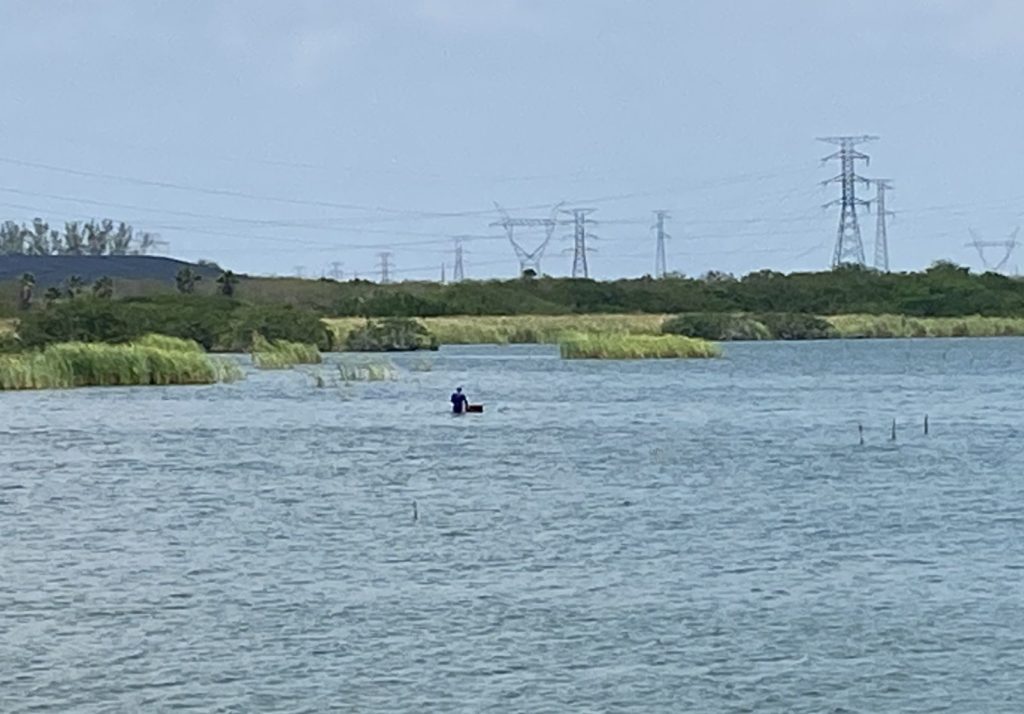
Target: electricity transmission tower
{"points": [[336, 270], [1008, 247], [528, 260], [385, 267], [458, 275], [849, 247], [659, 256], [882, 220], [442, 274], [579, 242]]}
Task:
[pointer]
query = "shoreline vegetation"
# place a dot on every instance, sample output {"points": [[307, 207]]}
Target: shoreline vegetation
{"points": [[154, 360]]}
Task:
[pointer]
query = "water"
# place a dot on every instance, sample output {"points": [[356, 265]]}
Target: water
{"points": [[608, 537]]}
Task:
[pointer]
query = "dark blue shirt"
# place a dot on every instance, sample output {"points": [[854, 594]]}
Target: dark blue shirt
{"points": [[459, 402]]}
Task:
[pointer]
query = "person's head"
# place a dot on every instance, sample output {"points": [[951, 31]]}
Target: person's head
{"points": [[459, 390]]}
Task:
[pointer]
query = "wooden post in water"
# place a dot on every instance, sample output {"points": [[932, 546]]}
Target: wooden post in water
{"points": [[860, 430], [893, 430], [415, 512], [926, 425]]}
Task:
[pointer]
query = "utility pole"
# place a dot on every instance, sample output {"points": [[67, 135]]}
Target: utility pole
{"points": [[579, 243], [528, 260], [849, 247], [659, 256], [385, 267], [442, 274], [1008, 247], [882, 216], [458, 274]]}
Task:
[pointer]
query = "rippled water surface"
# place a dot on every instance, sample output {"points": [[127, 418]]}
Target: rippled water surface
{"points": [[637, 536]]}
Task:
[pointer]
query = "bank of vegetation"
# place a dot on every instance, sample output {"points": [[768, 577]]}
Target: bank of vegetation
{"points": [[149, 361], [223, 314]]}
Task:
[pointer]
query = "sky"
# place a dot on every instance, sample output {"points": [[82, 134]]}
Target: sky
{"points": [[307, 137]]}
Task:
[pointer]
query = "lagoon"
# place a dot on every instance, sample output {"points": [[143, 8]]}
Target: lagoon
{"points": [[649, 536]]}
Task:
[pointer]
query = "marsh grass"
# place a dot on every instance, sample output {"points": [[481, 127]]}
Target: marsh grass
{"points": [[77, 364], [366, 371], [282, 354], [597, 346], [896, 326], [172, 344]]}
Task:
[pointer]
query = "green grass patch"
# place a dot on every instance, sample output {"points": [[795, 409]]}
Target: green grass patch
{"points": [[78, 364], [282, 354], [597, 346]]}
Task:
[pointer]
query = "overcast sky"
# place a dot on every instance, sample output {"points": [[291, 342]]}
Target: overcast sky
{"points": [[278, 136]]}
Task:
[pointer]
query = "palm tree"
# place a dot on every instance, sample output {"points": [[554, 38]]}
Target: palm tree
{"points": [[227, 282], [103, 288], [186, 280], [28, 283], [52, 295], [73, 286]]}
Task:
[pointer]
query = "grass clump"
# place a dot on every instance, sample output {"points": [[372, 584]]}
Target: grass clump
{"points": [[590, 346], [78, 364], [281, 354], [366, 371], [172, 344]]}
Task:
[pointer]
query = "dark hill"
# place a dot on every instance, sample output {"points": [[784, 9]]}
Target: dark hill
{"points": [[52, 270]]}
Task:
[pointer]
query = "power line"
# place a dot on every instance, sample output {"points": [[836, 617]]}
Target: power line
{"points": [[385, 267], [579, 243], [1008, 246], [882, 219], [458, 275], [849, 247], [528, 260], [659, 254]]}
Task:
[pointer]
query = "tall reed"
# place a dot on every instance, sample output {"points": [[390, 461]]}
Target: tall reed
{"points": [[366, 371], [885, 326], [79, 364], [281, 354], [591, 346]]}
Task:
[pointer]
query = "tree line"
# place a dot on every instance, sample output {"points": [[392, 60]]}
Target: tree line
{"points": [[943, 290], [78, 238]]}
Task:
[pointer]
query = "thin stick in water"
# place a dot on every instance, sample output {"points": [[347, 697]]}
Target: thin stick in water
{"points": [[415, 512], [926, 425], [893, 430], [860, 430]]}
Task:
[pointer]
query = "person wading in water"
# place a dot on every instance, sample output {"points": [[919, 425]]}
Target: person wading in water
{"points": [[459, 401]]}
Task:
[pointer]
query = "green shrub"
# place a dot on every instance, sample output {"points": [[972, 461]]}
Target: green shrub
{"points": [[716, 326], [390, 335], [217, 323], [794, 326]]}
